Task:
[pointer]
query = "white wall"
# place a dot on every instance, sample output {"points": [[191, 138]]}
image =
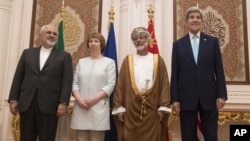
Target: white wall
{"points": [[5, 15], [17, 28]]}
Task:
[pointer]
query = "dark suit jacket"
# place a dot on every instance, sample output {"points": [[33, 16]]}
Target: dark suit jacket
{"points": [[53, 84], [204, 81]]}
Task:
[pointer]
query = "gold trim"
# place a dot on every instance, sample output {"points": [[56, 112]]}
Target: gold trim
{"points": [[16, 127], [233, 116], [225, 116], [144, 94], [132, 75], [111, 14], [156, 60], [131, 72], [151, 12]]}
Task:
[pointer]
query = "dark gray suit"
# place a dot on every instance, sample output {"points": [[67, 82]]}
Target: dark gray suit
{"points": [[43, 89], [197, 86]]}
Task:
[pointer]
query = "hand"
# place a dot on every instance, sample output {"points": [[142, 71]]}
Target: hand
{"points": [[176, 107], [220, 103], [62, 108], [121, 117], [90, 102], [160, 114], [83, 104], [13, 108]]}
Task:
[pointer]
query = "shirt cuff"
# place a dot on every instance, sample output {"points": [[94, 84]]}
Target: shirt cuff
{"points": [[13, 101], [165, 109], [116, 111]]}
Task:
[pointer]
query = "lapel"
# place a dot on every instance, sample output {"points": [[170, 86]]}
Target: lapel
{"points": [[50, 58], [202, 47], [37, 58], [188, 48]]}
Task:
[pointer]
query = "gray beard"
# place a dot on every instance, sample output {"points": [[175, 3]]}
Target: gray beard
{"points": [[51, 43], [141, 47]]}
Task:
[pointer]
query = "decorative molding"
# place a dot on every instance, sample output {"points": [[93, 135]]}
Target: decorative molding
{"points": [[6, 3], [233, 116], [238, 93], [244, 97], [225, 116], [20, 29], [4, 10], [124, 6], [16, 127]]}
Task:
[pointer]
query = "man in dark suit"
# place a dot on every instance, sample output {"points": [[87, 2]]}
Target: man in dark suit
{"points": [[41, 88], [197, 80]]}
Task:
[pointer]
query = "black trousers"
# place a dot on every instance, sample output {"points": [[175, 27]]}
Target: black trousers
{"points": [[34, 123], [209, 124]]}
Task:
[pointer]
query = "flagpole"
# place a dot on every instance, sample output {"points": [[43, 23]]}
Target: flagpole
{"points": [[62, 10], [60, 42], [111, 16], [153, 47], [150, 12], [110, 52]]}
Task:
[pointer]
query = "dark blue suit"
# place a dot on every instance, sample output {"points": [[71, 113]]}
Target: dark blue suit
{"points": [[197, 86]]}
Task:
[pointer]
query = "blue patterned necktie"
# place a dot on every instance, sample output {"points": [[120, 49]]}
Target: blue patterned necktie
{"points": [[195, 47]]}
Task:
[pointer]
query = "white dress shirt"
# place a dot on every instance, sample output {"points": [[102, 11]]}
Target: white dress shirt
{"points": [[44, 54]]}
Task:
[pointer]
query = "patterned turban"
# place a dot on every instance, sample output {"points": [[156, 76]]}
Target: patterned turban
{"points": [[140, 31]]}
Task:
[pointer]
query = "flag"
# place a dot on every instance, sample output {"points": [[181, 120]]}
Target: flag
{"points": [[199, 130], [152, 47], [110, 52], [60, 41]]}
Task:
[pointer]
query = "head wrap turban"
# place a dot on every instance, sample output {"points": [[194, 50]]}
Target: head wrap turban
{"points": [[140, 31]]}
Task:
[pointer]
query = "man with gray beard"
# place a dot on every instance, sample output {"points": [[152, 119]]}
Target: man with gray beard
{"points": [[141, 98], [41, 88]]}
